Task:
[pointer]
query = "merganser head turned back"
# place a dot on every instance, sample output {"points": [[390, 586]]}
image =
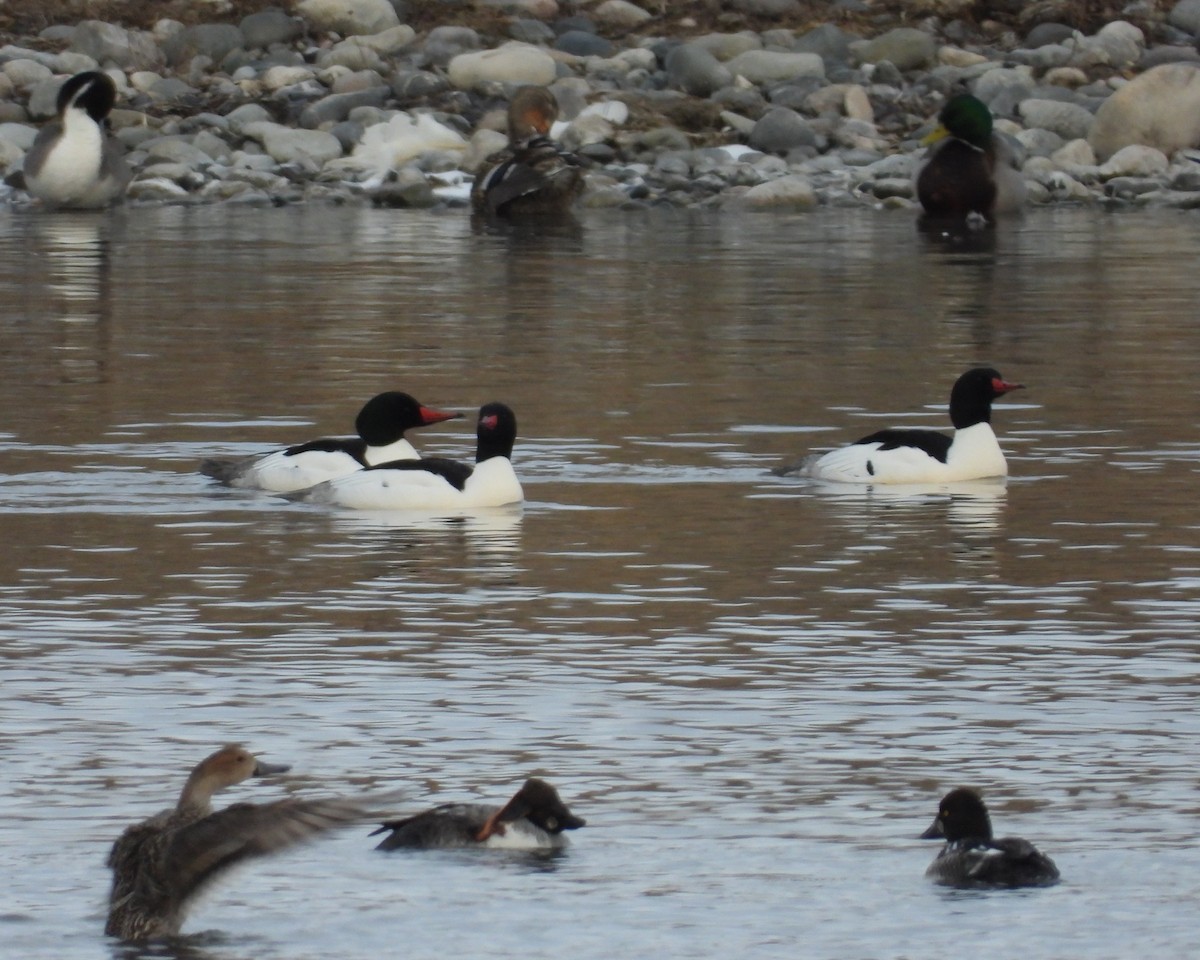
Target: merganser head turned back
{"points": [[534, 818], [435, 483], [73, 161], [925, 456], [972, 858], [381, 425], [160, 864], [533, 174]]}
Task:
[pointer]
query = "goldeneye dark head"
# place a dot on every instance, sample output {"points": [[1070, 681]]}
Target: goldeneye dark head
{"points": [[961, 815], [972, 395], [92, 91], [537, 802]]}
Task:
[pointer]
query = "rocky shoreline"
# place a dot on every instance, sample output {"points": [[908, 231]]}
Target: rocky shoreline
{"points": [[340, 101]]}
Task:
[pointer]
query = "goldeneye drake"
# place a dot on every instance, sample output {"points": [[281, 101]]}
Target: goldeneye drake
{"points": [[972, 858], [925, 456], [160, 864], [533, 174], [73, 161], [972, 171], [534, 819], [381, 425], [435, 483]]}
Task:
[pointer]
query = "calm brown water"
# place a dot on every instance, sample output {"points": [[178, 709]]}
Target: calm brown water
{"points": [[755, 689]]}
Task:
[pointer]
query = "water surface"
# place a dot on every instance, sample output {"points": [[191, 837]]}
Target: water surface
{"points": [[754, 688]]}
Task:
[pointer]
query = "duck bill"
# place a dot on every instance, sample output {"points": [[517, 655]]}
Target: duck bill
{"points": [[1003, 386], [572, 822], [270, 769], [934, 832], [429, 415], [938, 133]]}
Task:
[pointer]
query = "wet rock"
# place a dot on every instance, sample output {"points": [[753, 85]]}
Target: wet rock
{"points": [[530, 31], [766, 8], [829, 42], [1047, 33], [212, 40], [445, 43], [904, 47], [348, 17], [726, 46], [791, 192], [766, 66], [1186, 16], [270, 26], [580, 43], [513, 63], [621, 14], [1160, 109], [287, 145], [337, 107], [1135, 160], [109, 44], [694, 70], [781, 130], [1069, 121]]}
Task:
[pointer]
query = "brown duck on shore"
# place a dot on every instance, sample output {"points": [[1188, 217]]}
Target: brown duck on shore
{"points": [[160, 864], [533, 174]]}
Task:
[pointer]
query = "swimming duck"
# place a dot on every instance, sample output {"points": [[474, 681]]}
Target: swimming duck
{"points": [[972, 170], [160, 864], [925, 456], [971, 858], [381, 425], [73, 162], [534, 174], [435, 483], [534, 818]]}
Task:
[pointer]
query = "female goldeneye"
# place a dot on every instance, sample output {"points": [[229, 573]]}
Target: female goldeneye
{"points": [[972, 170], [533, 174], [160, 864], [534, 819], [926, 456], [73, 162], [435, 483], [381, 425], [971, 858]]}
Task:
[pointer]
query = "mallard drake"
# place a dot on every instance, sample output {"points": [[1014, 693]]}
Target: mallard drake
{"points": [[380, 424], [925, 456], [533, 174], [972, 858], [73, 161], [534, 818], [435, 483], [160, 864], [971, 170]]}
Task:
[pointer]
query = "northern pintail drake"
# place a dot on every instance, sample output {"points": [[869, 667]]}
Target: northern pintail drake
{"points": [[381, 425], [972, 858], [926, 456], [435, 483], [971, 170], [161, 864], [534, 819], [73, 161], [533, 174]]}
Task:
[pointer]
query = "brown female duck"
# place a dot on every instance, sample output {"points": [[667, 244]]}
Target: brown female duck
{"points": [[534, 174], [160, 864]]}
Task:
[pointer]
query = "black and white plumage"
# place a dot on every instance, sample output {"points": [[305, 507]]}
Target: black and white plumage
{"points": [[973, 858], [534, 819], [435, 483], [381, 425], [925, 456], [74, 162]]}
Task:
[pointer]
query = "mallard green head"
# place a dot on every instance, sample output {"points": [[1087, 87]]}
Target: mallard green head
{"points": [[965, 117]]}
